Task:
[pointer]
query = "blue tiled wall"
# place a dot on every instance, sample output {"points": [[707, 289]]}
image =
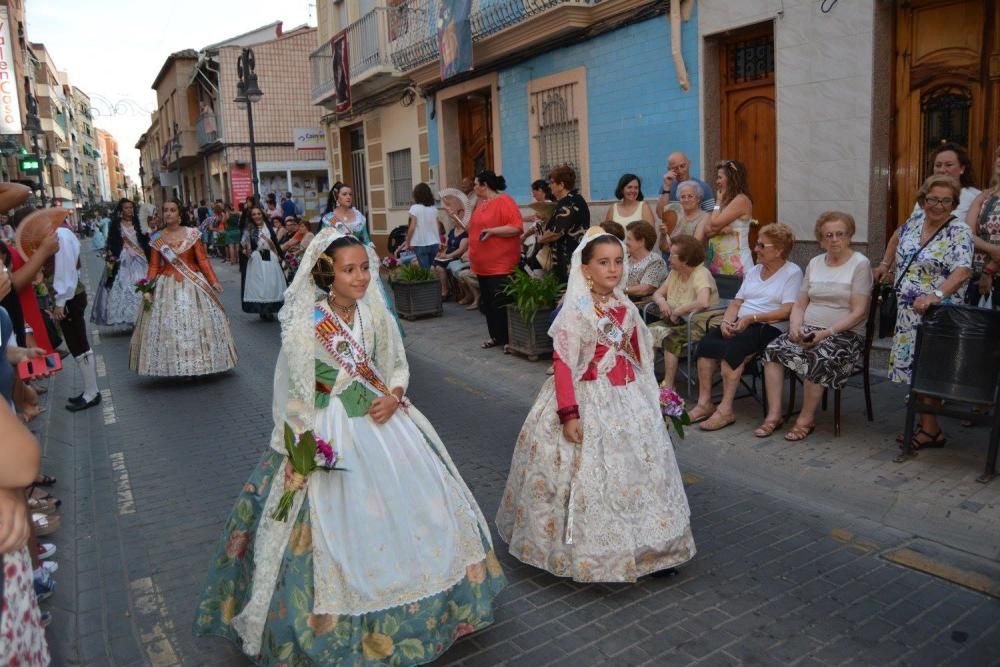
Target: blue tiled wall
{"points": [[637, 111]]}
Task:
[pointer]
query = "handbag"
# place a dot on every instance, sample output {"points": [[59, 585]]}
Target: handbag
{"points": [[889, 301]]}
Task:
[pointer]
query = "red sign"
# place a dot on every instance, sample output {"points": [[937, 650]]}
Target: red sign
{"points": [[242, 183]]}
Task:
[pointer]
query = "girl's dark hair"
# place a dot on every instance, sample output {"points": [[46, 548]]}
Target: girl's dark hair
{"points": [[422, 194], [181, 211], [115, 241], [18, 216], [331, 199], [323, 270], [738, 182], [967, 179], [603, 239], [543, 185], [625, 180], [491, 180]]}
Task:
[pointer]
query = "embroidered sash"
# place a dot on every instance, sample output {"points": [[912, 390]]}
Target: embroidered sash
{"points": [[348, 352], [132, 245], [171, 256], [614, 336]]}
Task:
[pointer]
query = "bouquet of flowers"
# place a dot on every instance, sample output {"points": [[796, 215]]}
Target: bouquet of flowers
{"points": [[390, 262], [672, 406], [292, 262], [306, 455], [145, 287]]}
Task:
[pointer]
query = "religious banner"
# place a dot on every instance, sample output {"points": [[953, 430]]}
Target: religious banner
{"points": [[454, 37], [341, 71], [242, 183]]}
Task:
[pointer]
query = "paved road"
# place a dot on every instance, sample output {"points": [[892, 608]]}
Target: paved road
{"points": [[150, 479]]}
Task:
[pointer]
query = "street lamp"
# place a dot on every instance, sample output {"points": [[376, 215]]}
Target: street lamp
{"points": [[33, 125], [176, 148], [52, 181], [248, 93]]}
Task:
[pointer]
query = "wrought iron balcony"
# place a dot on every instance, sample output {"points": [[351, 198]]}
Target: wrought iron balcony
{"points": [[368, 56], [413, 31], [207, 129]]}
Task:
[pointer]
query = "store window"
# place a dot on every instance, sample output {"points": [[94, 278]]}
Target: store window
{"points": [[401, 177]]}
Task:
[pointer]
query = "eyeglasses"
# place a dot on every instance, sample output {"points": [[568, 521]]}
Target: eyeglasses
{"points": [[759, 245], [834, 235], [935, 201]]}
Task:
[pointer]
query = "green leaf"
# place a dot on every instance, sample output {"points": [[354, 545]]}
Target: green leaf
{"points": [[463, 613], [390, 625], [285, 651], [412, 649], [289, 439], [300, 600]]}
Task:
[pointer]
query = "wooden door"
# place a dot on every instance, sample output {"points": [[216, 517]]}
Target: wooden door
{"points": [[749, 132], [947, 88], [475, 134]]}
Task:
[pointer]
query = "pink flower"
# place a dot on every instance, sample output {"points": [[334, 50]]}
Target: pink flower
{"points": [[671, 403], [461, 630], [325, 449]]}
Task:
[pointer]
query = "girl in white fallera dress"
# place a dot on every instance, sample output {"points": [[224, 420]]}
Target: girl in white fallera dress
{"points": [[594, 492], [387, 561], [126, 257], [263, 278]]}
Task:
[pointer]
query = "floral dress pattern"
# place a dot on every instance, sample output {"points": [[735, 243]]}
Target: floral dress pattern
{"points": [[22, 636], [728, 252], [650, 270], [949, 251]]}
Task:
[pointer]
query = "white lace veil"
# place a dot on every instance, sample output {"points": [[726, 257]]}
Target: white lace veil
{"points": [[574, 332], [295, 374]]}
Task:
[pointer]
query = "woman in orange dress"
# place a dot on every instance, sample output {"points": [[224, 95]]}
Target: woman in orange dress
{"points": [[185, 332]]}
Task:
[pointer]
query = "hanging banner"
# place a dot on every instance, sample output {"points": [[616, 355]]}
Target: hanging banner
{"points": [[454, 37], [341, 71], [309, 139], [10, 109], [241, 183]]}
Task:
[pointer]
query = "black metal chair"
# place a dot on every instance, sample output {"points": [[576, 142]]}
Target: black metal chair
{"points": [[957, 361]]}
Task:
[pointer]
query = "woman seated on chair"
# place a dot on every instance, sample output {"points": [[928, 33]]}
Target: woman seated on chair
{"points": [[646, 269], [826, 333], [757, 315], [688, 291]]}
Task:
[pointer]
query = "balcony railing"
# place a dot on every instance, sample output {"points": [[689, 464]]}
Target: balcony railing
{"points": [[207, 129], [368, 51], [413, 31]]}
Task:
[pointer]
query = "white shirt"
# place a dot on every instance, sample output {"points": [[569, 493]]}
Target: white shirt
{"points": [[67, 274], [764, 296], [426, 232]]}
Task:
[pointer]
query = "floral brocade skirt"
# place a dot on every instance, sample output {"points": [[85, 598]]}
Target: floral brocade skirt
{"points": [[185, 333], [413, 633], [829, 364], [630, 514], [119, 304]]}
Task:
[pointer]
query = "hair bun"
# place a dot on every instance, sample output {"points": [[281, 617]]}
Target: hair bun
{"points": [[501, 183]]}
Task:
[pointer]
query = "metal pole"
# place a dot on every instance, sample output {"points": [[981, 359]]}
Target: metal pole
{"points": [[41, 173], [253, 152]]}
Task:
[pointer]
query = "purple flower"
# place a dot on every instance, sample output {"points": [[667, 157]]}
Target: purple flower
{"points": [[325, 450], [671, 403]]}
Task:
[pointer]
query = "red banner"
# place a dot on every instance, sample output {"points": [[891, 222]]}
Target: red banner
{"points": [[341, 71], [242, 183]]}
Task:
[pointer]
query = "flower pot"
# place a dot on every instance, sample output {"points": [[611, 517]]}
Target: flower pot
{"points": [[418, 299], [531, 340]]}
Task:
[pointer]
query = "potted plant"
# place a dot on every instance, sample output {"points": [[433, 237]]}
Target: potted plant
{"points": [[416, 291], [528, 315]]}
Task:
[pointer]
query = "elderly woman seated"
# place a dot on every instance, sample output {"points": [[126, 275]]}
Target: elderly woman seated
{"points": [[826, 328], [757, 315], [646, 269], [686, 294]]}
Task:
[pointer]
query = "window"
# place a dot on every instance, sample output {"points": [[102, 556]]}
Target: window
{"points": [[401, 177], [945, 118], [558, 128]]}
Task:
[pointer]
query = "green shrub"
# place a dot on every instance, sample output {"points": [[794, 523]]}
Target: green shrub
{"points": [[533, 294], [413, 273]]}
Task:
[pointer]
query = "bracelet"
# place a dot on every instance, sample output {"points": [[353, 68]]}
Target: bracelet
{"points": [[755, 319], [883, 263]]}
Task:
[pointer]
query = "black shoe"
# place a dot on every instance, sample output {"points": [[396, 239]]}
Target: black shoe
{"points": [[76, 400], [76, 407], [663, 574]]}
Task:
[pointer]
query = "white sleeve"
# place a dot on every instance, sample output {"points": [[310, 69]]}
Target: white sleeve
{"points": [[66, 276], [790, 291]]}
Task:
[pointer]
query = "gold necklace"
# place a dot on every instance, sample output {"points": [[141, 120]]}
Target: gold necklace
{"points": [[347, 312], [602, 298]]}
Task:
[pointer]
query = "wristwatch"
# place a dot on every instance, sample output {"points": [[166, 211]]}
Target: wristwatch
{"points": [[939, 294]]}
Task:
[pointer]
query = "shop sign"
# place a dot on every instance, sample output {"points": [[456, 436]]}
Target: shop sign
{"points": [[10, 108], [309, 139]]}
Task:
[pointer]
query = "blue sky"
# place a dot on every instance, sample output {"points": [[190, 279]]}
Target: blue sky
{"points": [[113, 49]]}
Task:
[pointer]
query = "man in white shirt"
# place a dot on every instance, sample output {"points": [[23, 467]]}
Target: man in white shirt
{"points": [[71, 304]]}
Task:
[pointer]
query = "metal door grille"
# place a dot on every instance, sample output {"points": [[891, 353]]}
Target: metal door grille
{"points": [[359, 169], [558, 128]]}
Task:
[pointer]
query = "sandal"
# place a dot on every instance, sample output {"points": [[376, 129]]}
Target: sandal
{"points": [[717, 421], [45, 525], [936, 441], [44, 480], [768, 427], [40, 506], [799, 432], [506, 349], [699, 413], [37, 493], [473, 306], [488, 344]]}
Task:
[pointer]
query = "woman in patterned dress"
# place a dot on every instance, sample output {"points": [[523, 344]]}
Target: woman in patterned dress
{"points": [[931, 262], [984, 220], [126, 258], [826, 328], [728, 226], [594, 492], [386, 562], [186, 331], [646, 269]]}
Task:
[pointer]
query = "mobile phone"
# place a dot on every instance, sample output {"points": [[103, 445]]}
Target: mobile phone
{"points": [[482, 235], [29, 368]]}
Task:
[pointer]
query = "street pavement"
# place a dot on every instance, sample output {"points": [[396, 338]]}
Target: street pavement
{"points": [[789, 570]]}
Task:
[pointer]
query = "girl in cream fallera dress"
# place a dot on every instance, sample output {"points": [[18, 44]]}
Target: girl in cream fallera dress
{"points": [[385, 562], [612, 507]]}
